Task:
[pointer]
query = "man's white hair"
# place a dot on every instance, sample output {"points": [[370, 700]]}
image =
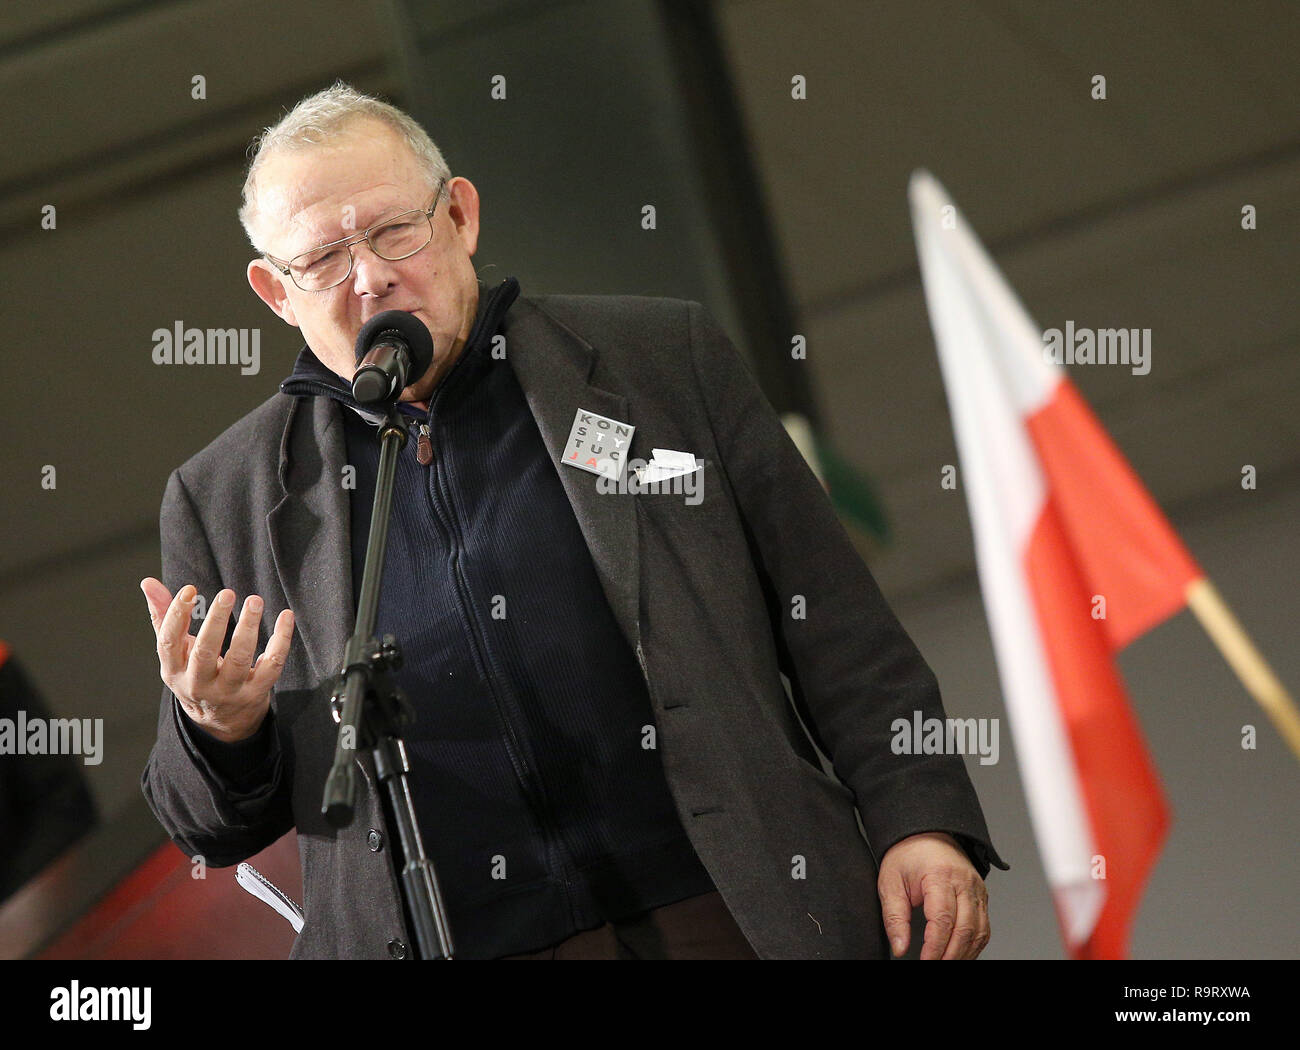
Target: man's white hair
{"points": [[321, 118]]}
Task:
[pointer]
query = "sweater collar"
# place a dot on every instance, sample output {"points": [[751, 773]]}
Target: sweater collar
{"points": [[311, 378]]}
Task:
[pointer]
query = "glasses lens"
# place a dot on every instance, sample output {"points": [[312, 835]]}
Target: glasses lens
{"points": [[320, 269], [405, 235]]}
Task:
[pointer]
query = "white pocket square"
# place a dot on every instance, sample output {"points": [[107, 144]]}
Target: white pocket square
{"points": [[664, 464]]}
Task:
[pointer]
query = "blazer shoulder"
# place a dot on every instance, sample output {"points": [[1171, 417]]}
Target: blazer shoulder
{"points": [[249, 446], [593, 317]]}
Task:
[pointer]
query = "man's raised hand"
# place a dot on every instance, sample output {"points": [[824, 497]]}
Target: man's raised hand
{"points": [[228, 696]]}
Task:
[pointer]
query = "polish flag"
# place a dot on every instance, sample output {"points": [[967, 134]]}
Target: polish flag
{"points": [[1075, 561]]}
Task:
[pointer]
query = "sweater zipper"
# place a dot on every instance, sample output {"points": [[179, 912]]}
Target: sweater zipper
{"points": [[531, 785]]}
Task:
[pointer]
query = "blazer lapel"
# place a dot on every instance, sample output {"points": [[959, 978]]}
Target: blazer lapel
{"points": [[554, 366], [310, 532]]}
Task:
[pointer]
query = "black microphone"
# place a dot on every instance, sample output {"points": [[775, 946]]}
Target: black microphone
{"points": [[394, 349]]}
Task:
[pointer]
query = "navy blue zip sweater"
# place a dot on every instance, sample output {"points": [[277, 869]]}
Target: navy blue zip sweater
{"points": [[543, 812]]}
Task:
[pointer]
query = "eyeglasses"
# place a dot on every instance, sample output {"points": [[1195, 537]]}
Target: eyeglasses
{"points": [[393, 239]]}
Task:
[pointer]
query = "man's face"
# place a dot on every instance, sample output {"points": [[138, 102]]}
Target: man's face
{"points": [[319, 194]]}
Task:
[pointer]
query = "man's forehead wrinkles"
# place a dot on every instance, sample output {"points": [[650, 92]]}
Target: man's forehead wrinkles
{"points": [[322, 195], [331, 220]]}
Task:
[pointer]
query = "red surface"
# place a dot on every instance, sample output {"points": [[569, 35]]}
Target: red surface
{"points": [[161, 911], [1123, 545], [1121, 789]]}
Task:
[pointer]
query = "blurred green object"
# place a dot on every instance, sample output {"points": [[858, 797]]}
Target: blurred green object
{"points": [[851, 491]]}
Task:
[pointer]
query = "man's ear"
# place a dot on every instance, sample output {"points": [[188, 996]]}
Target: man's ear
{"points": [[266, 281], [463, 209]]}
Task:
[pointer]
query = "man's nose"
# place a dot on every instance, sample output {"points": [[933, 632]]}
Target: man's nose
{"points": [[371, 275]]}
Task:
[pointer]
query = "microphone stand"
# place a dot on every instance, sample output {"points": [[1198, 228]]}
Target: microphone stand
{"points": [[371, 711]]}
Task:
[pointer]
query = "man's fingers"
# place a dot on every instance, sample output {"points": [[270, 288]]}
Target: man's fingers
{"points": [[985, 930], [207, 645], [896, 910], [243, 643], [940, 917], [271, 662], [171, 635], [966, 928], [157, 598]]}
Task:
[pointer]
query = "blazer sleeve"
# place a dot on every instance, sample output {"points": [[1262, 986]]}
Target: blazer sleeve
{"points": [[225, 802], [852, 668]]}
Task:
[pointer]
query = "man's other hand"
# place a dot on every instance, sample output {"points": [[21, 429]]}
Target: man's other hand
{"points": [[228, 696], [931, 869]]}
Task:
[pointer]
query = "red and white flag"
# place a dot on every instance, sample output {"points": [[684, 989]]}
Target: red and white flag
{"points": [[1075, 561]]}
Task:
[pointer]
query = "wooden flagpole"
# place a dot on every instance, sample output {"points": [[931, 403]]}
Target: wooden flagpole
{"points": [[1242, 656]]}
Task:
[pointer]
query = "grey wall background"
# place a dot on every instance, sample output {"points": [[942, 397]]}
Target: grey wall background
{"points": [[1123, 212]]}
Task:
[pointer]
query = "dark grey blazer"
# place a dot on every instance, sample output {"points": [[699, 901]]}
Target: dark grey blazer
{"points": [[704, 594]]}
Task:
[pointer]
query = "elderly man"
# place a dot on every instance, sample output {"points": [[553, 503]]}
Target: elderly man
{"points": [[605, 762]]}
